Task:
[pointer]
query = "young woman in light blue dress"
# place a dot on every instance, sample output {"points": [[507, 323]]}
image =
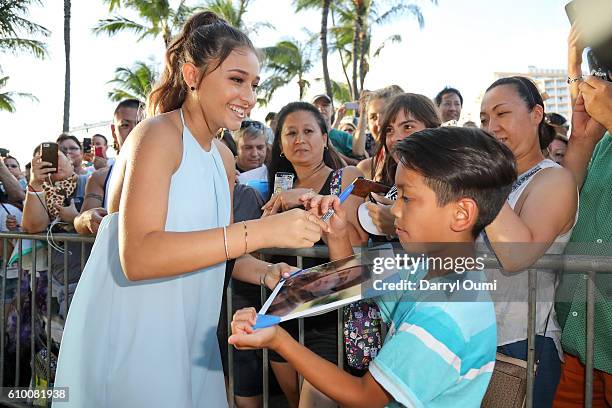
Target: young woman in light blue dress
{"points": [[141, 330]]}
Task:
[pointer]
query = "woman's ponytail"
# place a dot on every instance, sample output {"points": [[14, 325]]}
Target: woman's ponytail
{"points": [[204, 38]]}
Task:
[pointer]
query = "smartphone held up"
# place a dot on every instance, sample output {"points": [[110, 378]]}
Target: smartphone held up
{"points": [[49, 154]]}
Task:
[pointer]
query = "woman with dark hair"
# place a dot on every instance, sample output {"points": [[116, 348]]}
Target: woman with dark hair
{"points": [[301, 147], [142, 327], [537, 218], [404, 115], [12, 164], [371, 108], [73, 149]]}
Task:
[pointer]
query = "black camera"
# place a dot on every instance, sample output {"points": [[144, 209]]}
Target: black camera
{"points": [[4, 152], [595, 67]]}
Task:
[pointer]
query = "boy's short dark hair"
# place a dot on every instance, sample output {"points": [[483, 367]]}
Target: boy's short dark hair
{"points": [[448, 90], [461, 162]]}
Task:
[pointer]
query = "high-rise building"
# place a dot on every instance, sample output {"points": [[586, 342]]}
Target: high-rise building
{"points": [[553, 86]]}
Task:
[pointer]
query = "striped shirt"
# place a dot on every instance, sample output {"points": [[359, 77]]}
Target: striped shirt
{"points": [[437, 354]]}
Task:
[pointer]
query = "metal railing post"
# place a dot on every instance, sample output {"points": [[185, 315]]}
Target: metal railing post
{"points": [[3, 325], [590, 337], [230, 348], [265, 360], [19, 313], [33, 316], [340, 344], [65, 273], [49, 321], [300, 261], [531, 335]]}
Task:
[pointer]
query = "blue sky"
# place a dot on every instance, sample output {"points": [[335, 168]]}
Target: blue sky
{"points": [[462, 44]]}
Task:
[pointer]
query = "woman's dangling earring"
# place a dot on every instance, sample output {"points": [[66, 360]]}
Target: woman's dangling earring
{"points": [[282, 154]]}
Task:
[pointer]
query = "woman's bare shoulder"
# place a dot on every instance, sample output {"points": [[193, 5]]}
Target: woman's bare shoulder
{"points": [[365, 166], [159, 134], [554, 179], [350, 173]]}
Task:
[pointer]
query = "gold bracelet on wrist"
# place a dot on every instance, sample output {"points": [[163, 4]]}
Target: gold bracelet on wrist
{"points": [[246, 238], [225, 243]]}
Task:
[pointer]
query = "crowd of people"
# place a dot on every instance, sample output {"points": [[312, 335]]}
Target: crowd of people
{"points": [[191, 197]]}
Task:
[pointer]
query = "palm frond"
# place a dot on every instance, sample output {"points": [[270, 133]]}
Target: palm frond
{"points": [[301, 5], [399, 9], [16, 31], [135, 82], [15, 45], [7, 101], [225, 9], [181, 14], [113, 25], [395, 38]]}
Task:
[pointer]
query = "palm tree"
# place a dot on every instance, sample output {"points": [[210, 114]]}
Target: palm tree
{"points": [[325, 6], [353, 33], [286, 60], [66, 121], [158, 18], [7, 102], [340, 90], [133, 83], [13, 25]]}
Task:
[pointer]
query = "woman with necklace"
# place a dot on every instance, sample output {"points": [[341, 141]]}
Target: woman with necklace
{"points": [[301, 147]]}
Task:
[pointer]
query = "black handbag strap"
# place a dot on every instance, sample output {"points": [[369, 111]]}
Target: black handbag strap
{"points": [[552, 305]]}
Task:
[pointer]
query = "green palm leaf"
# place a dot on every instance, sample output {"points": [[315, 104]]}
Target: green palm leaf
{"points": [[135, 82], [113, 25], [14, 26], [16, 45], [7, 101]]}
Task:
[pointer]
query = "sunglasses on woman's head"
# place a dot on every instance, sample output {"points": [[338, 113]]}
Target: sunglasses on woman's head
{"points": [[248, 123]]}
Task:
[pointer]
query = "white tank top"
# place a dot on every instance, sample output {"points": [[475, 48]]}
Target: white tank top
{"points": [[510, 298]]}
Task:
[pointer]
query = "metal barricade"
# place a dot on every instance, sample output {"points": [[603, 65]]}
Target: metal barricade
{"points": [[37, 272], [583, 264]]}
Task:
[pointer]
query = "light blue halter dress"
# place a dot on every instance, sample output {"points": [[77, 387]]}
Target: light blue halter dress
{"points": [[151, 343]]}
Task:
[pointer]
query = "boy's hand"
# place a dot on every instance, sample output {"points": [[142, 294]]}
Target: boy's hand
{"points": [[382, 218], [319, 205], [244, 337]]}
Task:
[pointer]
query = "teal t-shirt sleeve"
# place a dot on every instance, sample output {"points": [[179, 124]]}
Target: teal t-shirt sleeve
{"points": [[342, 141], [421, 358]]}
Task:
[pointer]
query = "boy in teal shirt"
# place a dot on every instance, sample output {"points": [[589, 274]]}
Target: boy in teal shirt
{"points": [[439, 352]]}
